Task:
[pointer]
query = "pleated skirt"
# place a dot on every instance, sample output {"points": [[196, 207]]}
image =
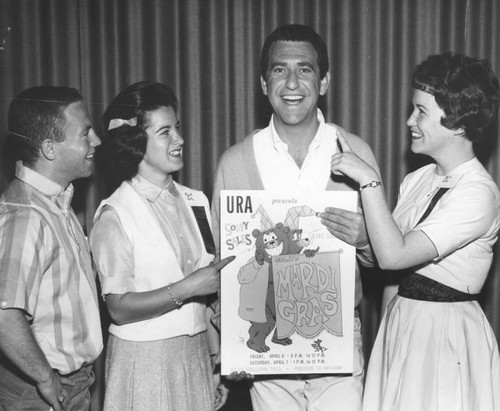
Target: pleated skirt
{"points": [[431, 356], [172, 374]]}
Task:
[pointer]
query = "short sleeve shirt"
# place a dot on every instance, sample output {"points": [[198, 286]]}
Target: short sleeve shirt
{"points": [[463, 226], [116, 264], [47, 271]]}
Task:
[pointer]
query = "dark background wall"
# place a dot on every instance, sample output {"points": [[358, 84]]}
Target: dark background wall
{"points": [[208, 51]]}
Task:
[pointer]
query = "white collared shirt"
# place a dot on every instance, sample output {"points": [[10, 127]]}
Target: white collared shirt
{"points": [[277, 168], [137, 247]]}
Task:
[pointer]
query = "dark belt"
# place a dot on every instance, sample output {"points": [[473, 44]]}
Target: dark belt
{"points": [[418, 287]]}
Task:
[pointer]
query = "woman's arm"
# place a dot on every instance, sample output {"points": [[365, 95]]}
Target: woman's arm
{"points": [[350, 226], [393, 250], [113, 256], [138, 306]]}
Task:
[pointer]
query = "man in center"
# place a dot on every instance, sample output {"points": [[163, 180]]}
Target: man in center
{"points": [[294, 153]]}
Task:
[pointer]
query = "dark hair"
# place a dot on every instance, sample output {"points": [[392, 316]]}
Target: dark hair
{"points": [[37, 114], [123, 147], [295, 33], [465, 88]]}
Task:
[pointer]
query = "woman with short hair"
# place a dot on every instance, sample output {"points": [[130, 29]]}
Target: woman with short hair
{"points": [[435, 349]]}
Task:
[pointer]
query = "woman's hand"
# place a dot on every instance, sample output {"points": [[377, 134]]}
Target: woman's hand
{"points": [[206, 280], [346, 225], [138, 306], [349, 164]]}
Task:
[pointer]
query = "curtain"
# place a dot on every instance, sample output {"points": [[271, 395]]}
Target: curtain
{"points": [[208, 51]]}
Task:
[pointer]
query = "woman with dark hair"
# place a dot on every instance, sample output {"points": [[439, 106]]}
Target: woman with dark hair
{"points": [[435, 349], [153, 249]]}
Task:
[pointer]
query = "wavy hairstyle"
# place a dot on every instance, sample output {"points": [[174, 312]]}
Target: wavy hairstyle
{"points": [[465, 88], [124, 146], [295, 33]]}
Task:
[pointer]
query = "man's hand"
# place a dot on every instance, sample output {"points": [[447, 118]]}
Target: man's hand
{"points": [[53, 392], [221, 392], [18, 343], [346, 225], [239, 376]]}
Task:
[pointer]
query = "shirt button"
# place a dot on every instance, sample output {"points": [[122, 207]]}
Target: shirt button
{"points": [[4, 303], [189, 261]]}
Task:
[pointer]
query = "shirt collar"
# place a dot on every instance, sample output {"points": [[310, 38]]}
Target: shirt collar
{"points": [[280, 145], [151, 191], [454, 176], [45, 186]]}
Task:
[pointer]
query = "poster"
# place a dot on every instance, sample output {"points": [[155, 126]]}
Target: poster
{"points": [[287, 300]]}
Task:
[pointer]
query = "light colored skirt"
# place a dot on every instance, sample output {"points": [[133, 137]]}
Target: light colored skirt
{"points": [[172, 374], [431, 356]]}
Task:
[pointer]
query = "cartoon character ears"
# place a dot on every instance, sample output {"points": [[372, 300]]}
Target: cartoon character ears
{"points": [[256, 233]]}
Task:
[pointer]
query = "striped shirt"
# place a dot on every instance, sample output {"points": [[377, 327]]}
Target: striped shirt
{"points": [[47, 270]]}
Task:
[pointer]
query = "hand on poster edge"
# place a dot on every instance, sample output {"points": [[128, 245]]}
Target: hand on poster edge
{"points": [[239, 376]]}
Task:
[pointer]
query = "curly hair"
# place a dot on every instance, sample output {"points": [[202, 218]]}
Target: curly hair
{"points": [[124, 147], [465, 88], [295, 33], [37, 114]]}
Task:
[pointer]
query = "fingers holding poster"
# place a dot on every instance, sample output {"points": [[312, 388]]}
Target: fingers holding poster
{"points": [[287, 301]]}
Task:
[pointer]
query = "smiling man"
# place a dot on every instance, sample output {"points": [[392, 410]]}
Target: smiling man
{"points": [[50, 331], [294, 153]]}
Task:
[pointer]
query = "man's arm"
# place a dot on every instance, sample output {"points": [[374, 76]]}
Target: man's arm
{"points": [[18, 344]]}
